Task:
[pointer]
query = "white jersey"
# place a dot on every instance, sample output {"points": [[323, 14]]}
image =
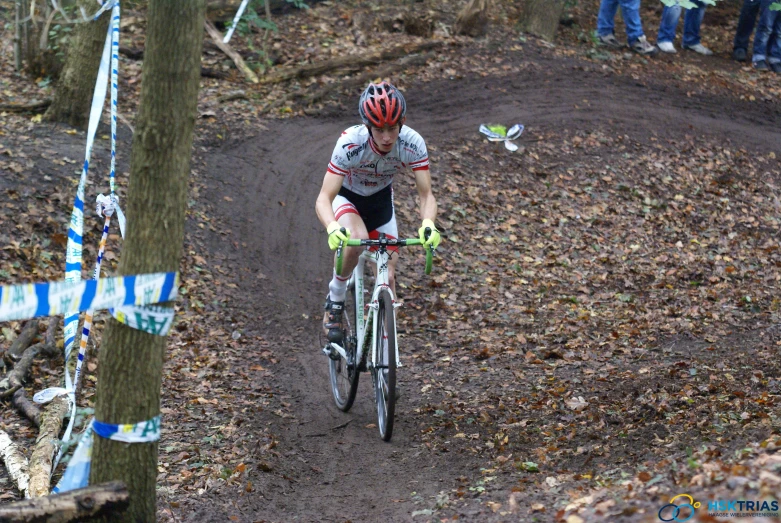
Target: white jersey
{"points": [[366, 170]]}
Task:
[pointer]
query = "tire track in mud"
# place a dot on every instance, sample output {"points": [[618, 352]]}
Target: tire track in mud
{"points": [[277, 250]]}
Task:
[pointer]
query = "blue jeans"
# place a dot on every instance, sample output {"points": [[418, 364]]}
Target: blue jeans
{"points": [[767, 41], [691, 24], [630, 10], [748, 17]]}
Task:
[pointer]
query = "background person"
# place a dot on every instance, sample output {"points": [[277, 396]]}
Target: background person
{"points": [[691, 29], [630, 10]]}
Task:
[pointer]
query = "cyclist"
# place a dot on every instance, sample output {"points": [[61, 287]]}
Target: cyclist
{"points": [[357, 195]]}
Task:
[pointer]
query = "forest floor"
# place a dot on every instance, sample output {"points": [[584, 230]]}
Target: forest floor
{"points": [[601, 331]]}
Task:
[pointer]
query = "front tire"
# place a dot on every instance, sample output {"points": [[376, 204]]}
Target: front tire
{"points": [[385, 372], [344, 372]]}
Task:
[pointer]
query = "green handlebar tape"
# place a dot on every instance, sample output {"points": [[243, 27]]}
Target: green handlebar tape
{"points": [[429, 260]]}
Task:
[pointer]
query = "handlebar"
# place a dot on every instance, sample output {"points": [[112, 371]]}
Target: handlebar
{"points": [[385, 242]]}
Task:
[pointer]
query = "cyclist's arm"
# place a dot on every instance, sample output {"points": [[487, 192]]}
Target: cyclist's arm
{"points": [[428, 205], [323, 207]]}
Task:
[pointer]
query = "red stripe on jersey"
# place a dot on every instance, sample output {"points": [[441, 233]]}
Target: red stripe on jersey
{"points": [[336, 169], [419, 161]]}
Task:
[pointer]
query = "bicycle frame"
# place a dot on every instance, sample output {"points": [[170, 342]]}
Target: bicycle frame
{"points": [[380, 259]]}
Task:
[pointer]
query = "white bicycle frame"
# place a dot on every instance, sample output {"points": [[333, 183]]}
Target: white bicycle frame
{"points": [[362, 324]]}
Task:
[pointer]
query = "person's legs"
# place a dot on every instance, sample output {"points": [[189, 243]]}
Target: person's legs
{"points": [[746, 22], [691, 25], [606, 17], [764, 31], [774, 45], [630, 10], [668, 24]]}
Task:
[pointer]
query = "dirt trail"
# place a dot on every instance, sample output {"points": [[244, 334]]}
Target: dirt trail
{"points": [[276, 249]]}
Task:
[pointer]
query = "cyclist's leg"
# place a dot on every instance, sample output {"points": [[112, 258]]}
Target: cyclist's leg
{"points": [[347, 215]]}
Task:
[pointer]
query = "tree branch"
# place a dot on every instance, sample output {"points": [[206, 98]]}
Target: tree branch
{"points": [[228, 50]]}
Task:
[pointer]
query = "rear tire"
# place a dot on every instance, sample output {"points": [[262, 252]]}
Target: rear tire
{"points": [[385, 373], [344, 372]]}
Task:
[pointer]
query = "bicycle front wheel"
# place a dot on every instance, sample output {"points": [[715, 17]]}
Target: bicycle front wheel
{"points": [[344, 371], [385, 371]]}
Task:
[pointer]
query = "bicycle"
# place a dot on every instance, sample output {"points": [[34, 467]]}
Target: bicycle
{"points": [[373, 330]]}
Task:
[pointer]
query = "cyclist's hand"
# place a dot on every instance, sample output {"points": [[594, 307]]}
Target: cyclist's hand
{"points": [[335, 235], [433, 239]]}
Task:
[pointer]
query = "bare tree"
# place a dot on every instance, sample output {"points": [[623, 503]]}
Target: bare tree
{"points": [[130, 370], [73, 94]]}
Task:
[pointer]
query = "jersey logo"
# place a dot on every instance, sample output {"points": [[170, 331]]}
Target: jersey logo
{"points": [[349, 146]]}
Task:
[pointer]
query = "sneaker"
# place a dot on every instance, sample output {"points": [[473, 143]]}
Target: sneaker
{"points": [[641, 46], [666, 47], [775, 67], [739, 55], [332, 321], [609, 41], [761, 65], [699, 49]]}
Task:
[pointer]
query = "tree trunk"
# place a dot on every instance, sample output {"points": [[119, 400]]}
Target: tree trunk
{"points": [[73, 94], [541, 17], [130, 370], [472, 20]]}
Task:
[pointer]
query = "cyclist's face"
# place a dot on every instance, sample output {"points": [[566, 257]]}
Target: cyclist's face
{"points": [[385, 137]]}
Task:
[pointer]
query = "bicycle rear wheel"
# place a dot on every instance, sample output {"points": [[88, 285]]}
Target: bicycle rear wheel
{"points": [[344, 372], [385, 372]]}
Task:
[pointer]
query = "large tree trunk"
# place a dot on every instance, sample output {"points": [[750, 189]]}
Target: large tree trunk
{"points": [[541, 17], [472, 20], [73, 94], [131, 361]]}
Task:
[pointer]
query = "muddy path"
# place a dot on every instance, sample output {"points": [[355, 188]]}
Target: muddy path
{"points": [[261, 188]]}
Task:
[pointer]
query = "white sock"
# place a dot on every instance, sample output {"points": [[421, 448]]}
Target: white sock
{"points": [[338, 287]]}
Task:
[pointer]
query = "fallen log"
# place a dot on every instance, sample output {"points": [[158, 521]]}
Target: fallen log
{"points": [[106, 499], [28, 334], [15, 464], [26, 407], [35, 107], [46, 446], [361, 80], [228, 50], [15, 378], [352, 61]]}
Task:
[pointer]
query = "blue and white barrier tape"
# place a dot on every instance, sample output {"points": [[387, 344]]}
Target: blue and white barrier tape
{"points": [[76, 475], [33, 300]]}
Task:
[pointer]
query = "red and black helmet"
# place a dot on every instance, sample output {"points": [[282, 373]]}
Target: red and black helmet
{"points": [[382, 104]]}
